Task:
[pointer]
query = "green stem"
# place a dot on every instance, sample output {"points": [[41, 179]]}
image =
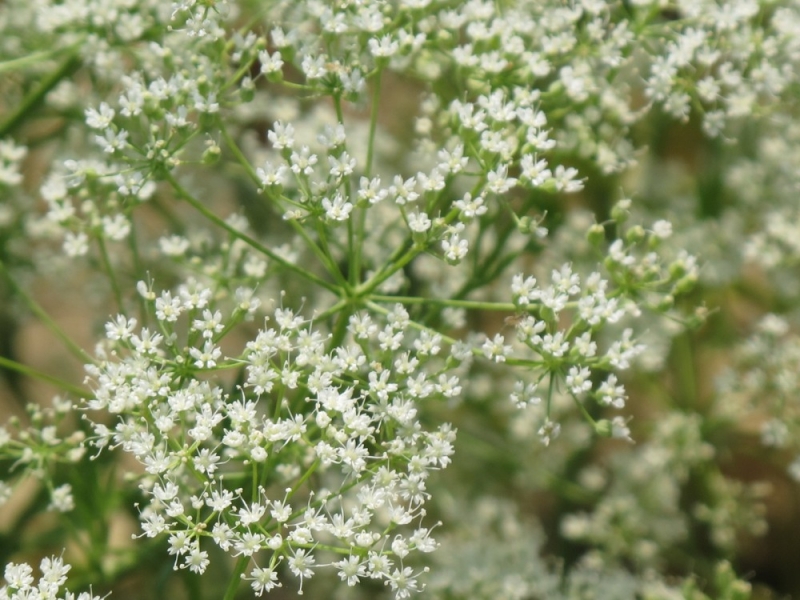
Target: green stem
{"points": [[474, 304], [254, 482], [26, 61], [550, 389], [37, 95], [373, 123], [353, 263], [332, 310], [583, 410], [356, 232], [237, 152], [296, 86], [36, 374], [358, 246], [236, 577], [183, 193], [243, 70], [79, 352], [303, 479], [337, 107], [324, 253], [110, 272], [684, 361], [340, 329], [391, 267]]}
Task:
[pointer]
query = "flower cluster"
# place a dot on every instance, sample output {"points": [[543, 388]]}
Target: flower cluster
{"points": [[38, 447], [21, 583], [762, 383], [11, 156], [638, 516], [233, 466], [560, 324]]}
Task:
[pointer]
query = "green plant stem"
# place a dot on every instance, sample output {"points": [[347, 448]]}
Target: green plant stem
{"points": [[474, 304], [34, 307], [373, 122], [340, 329], [70, 64], [356, 231], [583, 410], [26, 61], [36, 374], [684, 362], [236, 577], [110, 272], [391, 267], [237, 152], [303, 479], [550, 389], [184, 194], [325, 255], [338, 306]]}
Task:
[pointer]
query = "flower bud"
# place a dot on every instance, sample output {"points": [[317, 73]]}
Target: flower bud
{"points": [[635, 234], [596, 235], [621, 211], [211, 155], [275, 76], [603, 428], [666, 303], [247, 89], [685, 284]]}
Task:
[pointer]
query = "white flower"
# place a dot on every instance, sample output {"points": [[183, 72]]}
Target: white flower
{"points": [[281, 136], [351, 569], [419, 222], [403, 583], [548, 431], [116, 227], [99, 119], [263, 580], [301, 564], [565, 179], [207, 357], [76, 244], [272, 175], [662, 229], [455, 248], [524, 394], [578, 380], [270, 63], [535, 170], [337, 209], [197, 560], [494, 349], [609, 393], [498, 181], [173, 245], [524, 290], [61, 499], [385, 47]]}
